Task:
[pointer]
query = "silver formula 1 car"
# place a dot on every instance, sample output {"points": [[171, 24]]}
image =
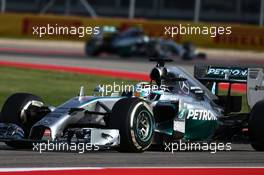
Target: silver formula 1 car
{"points": [[180, 107]]}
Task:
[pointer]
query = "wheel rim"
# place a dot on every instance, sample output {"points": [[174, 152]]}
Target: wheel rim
{"points": [[23, 115], [144, 125]]}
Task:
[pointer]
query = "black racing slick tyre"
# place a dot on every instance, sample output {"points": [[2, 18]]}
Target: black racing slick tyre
{"points": [[256, 126], [92, 48], [135, 122], [16, 111]]}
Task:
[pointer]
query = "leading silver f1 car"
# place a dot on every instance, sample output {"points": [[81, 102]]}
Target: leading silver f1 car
{"points": [[182, 107]]}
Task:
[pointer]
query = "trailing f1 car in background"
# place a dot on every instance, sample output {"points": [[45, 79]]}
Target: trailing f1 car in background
{"points": [[133, 42], [183, 107]]}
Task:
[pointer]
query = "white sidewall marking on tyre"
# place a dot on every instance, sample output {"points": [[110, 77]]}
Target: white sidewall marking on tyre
{"points": [[131, 122]]}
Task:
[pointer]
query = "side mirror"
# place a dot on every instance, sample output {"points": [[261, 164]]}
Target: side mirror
{"points": [[199, 93]]}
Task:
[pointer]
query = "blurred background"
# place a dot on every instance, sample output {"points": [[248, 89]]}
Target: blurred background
{"points": [[138, 26], [234, 11]]}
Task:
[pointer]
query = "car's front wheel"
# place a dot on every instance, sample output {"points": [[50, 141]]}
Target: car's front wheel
{"points": [[19, 109], [135, 122]]}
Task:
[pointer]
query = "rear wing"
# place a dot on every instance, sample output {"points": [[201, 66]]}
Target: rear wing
{"points": [[221, 74], [211, 76]]}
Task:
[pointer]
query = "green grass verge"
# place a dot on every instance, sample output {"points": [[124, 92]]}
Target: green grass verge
{"points": [[53, 87], [57, 87]]}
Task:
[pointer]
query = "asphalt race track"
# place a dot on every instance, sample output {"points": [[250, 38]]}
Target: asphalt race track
{"points": [[241, 155]]}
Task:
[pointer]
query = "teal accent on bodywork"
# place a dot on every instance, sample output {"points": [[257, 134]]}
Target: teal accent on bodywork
{"points": [[197, 130], [182, 113], [155, 92]]}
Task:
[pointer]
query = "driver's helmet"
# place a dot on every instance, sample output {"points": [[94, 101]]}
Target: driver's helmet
{"points": [[142, 89]]}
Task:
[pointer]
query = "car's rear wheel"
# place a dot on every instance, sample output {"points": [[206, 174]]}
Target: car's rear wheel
{"points": [[92, 47], [256, 126], [18, 110], [135, 122]]}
